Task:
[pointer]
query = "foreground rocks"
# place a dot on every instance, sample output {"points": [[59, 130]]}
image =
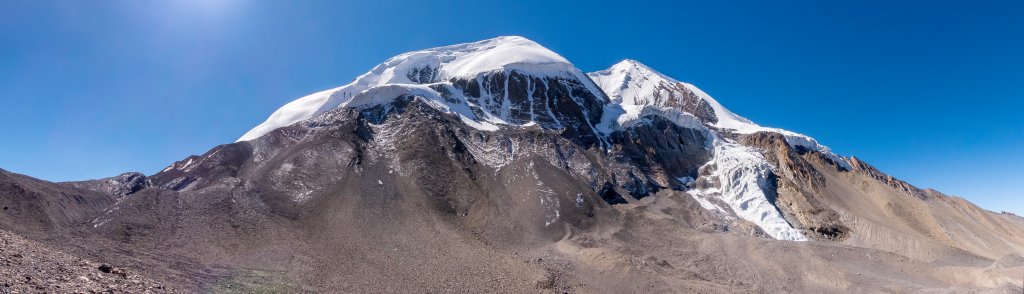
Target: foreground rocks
{"points": [[29, 267]]}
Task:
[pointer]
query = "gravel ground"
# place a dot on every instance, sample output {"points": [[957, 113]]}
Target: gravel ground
{"points": [[29, 267]]}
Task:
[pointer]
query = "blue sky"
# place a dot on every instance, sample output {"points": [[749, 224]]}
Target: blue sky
{"points": [[928, 91]]}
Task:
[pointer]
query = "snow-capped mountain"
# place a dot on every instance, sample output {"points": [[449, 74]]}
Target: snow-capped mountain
{"points": [[515, 82], [498, 166]]}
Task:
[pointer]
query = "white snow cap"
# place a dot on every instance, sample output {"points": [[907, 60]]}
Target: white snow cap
{"points": [[468, 59], [630, 82], [439, 64]]}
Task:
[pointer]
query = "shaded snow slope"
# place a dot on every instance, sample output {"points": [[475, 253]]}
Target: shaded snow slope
{"points": [[444, 65]]}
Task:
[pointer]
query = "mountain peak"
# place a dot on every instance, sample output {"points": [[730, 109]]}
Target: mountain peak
{"points": [[627, 63], [634, 68], [469, 59], [631, 82], [634, 65]]}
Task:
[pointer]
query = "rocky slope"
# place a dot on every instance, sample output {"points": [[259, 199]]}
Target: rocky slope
{"points": [[497, 166], [30, 267]]}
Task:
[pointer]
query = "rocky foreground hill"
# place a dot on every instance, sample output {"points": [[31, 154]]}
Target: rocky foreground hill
{"points": [[30, 267]]}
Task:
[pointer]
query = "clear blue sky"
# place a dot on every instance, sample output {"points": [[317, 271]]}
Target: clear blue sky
{"points": [[928, 91]]}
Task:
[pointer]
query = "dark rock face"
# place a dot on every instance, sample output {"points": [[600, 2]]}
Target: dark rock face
{"points": [[121, 185], [131, 183], [649, 157], [683, 99], [554, 102], [422, 75], [610, 196], [662, 153], [642, 160], [562, 104]]}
